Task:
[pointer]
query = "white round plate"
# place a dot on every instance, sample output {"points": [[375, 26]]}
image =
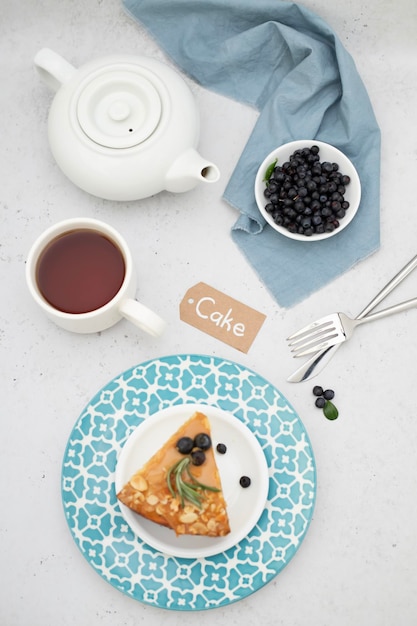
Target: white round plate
{"points": [[244, 456], [327, 153]]}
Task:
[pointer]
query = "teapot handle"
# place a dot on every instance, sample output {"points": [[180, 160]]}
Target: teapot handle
{"points": [[53, 69]]}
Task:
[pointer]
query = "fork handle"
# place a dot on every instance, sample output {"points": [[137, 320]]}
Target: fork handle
{"points": [[397, 308], [393, 283]]}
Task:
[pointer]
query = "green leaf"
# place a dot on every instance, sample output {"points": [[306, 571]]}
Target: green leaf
{"points": [[330, 411], [269, 170]]}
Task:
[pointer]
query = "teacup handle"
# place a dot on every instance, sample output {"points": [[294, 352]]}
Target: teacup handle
{"points": [[53, 69], [142, 317]]}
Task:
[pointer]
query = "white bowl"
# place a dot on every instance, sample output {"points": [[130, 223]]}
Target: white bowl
{"points": [[327, 153]]}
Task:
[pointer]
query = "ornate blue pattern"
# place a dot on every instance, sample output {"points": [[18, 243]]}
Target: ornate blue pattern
{"points": [[92, 510]]}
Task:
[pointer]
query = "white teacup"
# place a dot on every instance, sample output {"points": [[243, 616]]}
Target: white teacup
{"points": [[81, 273]]}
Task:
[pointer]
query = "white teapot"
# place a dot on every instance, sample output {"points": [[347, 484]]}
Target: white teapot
{"points": [[123, 127]]}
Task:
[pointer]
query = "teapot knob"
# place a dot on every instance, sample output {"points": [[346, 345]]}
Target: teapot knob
{"points": [[119, 110]]}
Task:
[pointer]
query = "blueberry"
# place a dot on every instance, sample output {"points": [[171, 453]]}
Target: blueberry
{"points": [[185, 445], [245, 481], [202, 441], [317, 390], [197, 457], [320, 402], [328, 394], [221, 448]]}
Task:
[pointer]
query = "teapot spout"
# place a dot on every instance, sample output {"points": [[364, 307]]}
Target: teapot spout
{"points": [[188, 170]]}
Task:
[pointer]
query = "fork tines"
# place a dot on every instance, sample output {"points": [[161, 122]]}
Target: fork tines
{"points": [[314, 337]]}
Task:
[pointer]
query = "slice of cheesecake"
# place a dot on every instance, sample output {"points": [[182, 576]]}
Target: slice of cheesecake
{"points": [[170, 490]]}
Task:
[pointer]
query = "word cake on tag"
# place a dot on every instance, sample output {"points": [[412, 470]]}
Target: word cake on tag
{"points": [[221, 316]]}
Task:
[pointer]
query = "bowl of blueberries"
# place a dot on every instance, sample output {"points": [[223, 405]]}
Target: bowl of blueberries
{"points": [[307, 190]]}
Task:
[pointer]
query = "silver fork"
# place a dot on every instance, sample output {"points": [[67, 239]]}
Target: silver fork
{"points": [[320, 359], [336, 328]]}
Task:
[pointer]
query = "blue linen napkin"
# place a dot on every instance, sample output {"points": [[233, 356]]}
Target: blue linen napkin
{"points": [[286, 62]]}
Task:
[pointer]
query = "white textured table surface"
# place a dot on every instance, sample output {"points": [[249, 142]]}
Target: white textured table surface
{"points": [[358, 562]]}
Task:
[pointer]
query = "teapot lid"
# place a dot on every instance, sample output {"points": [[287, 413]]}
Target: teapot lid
{"points": [[119, 106]]}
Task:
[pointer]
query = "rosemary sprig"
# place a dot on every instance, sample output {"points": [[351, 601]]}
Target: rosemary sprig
{"points": [[190, 491]]}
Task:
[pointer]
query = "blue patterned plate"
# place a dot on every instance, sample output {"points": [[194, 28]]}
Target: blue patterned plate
{"points": [[244, 457], [93, 513]]}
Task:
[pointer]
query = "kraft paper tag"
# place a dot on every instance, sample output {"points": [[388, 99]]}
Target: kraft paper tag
{"points": [[220, 316]]}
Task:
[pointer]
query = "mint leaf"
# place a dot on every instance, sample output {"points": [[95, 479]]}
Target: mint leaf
{"points": [[330, 411], [269, 170]]}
